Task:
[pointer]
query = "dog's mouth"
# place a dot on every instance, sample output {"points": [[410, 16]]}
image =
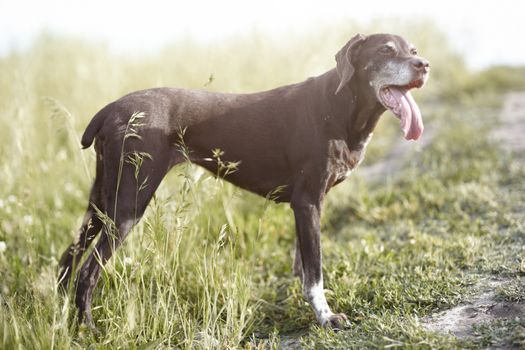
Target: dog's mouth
{"points": [[399, 100]]}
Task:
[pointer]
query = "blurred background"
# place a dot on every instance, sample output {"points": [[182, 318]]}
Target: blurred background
{"points": [[400, 244], [485, 33]]}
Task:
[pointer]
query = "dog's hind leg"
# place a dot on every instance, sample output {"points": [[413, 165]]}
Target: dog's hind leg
{"points": [[91, 226], [123, 209]]}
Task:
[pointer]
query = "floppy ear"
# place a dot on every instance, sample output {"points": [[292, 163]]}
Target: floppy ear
{"points": [[344, 66]]}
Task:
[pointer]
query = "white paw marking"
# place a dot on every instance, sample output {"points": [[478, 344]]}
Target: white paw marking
{"points": [[317, 299]]}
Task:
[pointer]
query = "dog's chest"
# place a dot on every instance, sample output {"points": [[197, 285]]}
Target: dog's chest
{"points": [[342, 160]]}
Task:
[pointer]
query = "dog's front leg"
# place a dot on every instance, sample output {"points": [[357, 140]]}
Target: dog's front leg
{"points": [[307, 217]]}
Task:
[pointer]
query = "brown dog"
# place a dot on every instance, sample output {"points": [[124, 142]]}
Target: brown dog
{"points": [[302, 139]]}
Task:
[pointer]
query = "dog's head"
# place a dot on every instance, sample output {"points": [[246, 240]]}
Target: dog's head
{"points": [[389, 66]]}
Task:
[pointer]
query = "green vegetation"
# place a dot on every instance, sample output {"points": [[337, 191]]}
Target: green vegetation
{"points": [[210, 265]]}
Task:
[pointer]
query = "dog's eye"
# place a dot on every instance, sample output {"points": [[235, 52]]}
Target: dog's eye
{"points": [[413, 51]]}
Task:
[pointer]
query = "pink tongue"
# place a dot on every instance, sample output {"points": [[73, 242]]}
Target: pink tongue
{"points": [[411, 121]]}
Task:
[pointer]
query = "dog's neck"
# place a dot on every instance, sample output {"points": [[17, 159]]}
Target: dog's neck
{"points": [[354, 112]]}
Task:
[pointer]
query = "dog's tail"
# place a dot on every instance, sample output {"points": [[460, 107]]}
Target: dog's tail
{"points": [[93, 128]]}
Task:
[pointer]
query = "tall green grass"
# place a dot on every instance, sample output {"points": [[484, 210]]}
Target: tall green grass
{"points": [[209, 266]]}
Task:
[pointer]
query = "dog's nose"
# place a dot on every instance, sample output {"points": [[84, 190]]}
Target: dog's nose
{"points": [[420, 64]]}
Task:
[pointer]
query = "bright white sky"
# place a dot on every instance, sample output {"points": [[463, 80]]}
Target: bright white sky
{"points": [[487, 32]]}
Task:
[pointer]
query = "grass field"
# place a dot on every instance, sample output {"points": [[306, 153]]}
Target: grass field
{"points": [[210, 265]]}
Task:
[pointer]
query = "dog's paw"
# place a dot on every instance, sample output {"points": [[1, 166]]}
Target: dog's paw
{"points": [[89, 330], [336, 322]]}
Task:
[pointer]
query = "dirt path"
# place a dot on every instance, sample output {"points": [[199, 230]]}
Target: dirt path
{"points": [[485, 306], [511, 132], [398, 156]]}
